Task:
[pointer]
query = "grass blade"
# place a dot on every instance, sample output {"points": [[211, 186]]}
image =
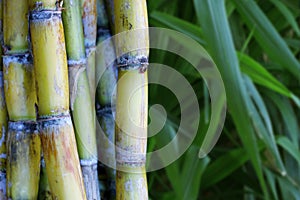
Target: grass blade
{"points": [[267, 36], [212, 15]]}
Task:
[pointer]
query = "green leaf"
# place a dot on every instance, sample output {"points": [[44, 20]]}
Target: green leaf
{"points": [[288, 146], [212, 16], [287, 14], [263, 126], [288, 116], [272, 181], [192, 172], [262, 77], [225, 165], [267, 36]]}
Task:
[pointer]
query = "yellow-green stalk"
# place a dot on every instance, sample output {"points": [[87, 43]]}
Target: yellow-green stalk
{"points": [[23, 160], [51, 72], [105, 98], [132, 98], [89, 21], [23, 143], [3, 119], [82, 106]]}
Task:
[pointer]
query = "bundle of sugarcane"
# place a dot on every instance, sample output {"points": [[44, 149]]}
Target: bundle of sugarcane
{"points": [[132, 98], [105, 99], [51, 72], [23, 142], [82, 106]]}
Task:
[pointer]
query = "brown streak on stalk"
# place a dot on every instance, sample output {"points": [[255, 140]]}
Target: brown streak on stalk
{"points": [[68, 153], [48, 141]]}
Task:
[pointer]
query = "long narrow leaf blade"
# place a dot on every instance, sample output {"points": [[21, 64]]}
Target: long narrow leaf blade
{"points": [[212, 16], [267, 36]]}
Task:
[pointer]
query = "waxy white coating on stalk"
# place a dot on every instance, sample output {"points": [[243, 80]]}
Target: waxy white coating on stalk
{"points": [[54, 121], [88, 162], [45, 15], [23, 127], [16, 58]]}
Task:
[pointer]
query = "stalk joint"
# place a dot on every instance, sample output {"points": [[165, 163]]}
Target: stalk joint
{"points": [[127, 62]]}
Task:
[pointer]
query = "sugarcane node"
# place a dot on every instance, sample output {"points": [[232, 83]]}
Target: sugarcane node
{"points": [[22, 58], [53, 120], [89, 162], [77, 63], [44, 15], [30, 127], [54, 117], [127, 63], [124, 158]]}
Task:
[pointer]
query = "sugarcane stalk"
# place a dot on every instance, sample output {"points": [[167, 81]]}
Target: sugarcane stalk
{"points": [[108, 175], [82, 106], [132, 99], [23, 149], [23, 143], [89, 21], [105, 98], [3, 118], [51, 72]]}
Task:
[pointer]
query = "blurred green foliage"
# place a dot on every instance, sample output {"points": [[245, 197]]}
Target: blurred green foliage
{"points": [[255, 45]]}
